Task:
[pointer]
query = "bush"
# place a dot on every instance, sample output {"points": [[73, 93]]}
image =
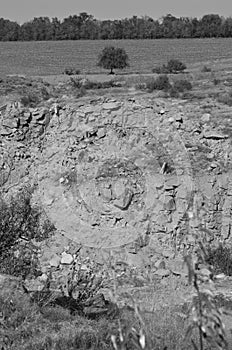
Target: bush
{"points": [[113, 58], [71, 71], [20, 223], [160, 83], [174, 92], [226, 98], [30, 100], [160, 70], [206, 69], [216, 81], [175, 66], [220, 258], [182, 85], [76, 82]]}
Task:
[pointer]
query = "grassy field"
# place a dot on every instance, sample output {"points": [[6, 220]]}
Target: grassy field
{"points": [[47, 58]]}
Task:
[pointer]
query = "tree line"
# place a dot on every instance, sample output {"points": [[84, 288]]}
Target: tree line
{"points": [[84, 26]]}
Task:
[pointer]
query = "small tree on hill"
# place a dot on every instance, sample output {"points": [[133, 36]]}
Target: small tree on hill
{"points": [[113, 58]]}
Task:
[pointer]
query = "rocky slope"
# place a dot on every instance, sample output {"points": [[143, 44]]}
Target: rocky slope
{"points": [[133, 176]]}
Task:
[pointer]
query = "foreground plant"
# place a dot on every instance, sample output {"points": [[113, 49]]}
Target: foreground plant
{"points": [[206, 316], [130, 335]]}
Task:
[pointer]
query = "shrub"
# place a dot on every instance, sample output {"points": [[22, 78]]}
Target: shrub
{"points": [[71, 71], [30, 100], [173, 92], [216, 81], [182, 85], [160, 83], [160, 70], [76, 82], [175, 66], [19, 224], [226, 98], [220, 258], [206, 69], [113, 58]]}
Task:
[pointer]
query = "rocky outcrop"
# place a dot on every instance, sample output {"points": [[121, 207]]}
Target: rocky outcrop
{"points": [[112, 172]]}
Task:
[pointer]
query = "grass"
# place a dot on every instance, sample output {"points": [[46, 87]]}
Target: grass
{"points": [[29, 91], [27, 326], [47, 58]]}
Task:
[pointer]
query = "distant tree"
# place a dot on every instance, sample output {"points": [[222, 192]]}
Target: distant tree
{"points": [[211, 26], [85, 27], [113, 58]]}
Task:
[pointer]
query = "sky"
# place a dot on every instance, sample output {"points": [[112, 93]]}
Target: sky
{"points": [[24, 10]]}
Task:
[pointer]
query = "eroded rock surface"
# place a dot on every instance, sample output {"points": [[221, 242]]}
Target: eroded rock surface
{"points": [[111, 172]]}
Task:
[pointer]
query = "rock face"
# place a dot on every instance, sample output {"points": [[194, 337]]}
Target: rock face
{"points": [[21, 122], [112, 172]]}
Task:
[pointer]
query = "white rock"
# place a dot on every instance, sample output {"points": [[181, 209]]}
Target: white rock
{"points": [[66, 259], [62, 180], [55, 261], [111, 106], [206, 117], [43, 277]]}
